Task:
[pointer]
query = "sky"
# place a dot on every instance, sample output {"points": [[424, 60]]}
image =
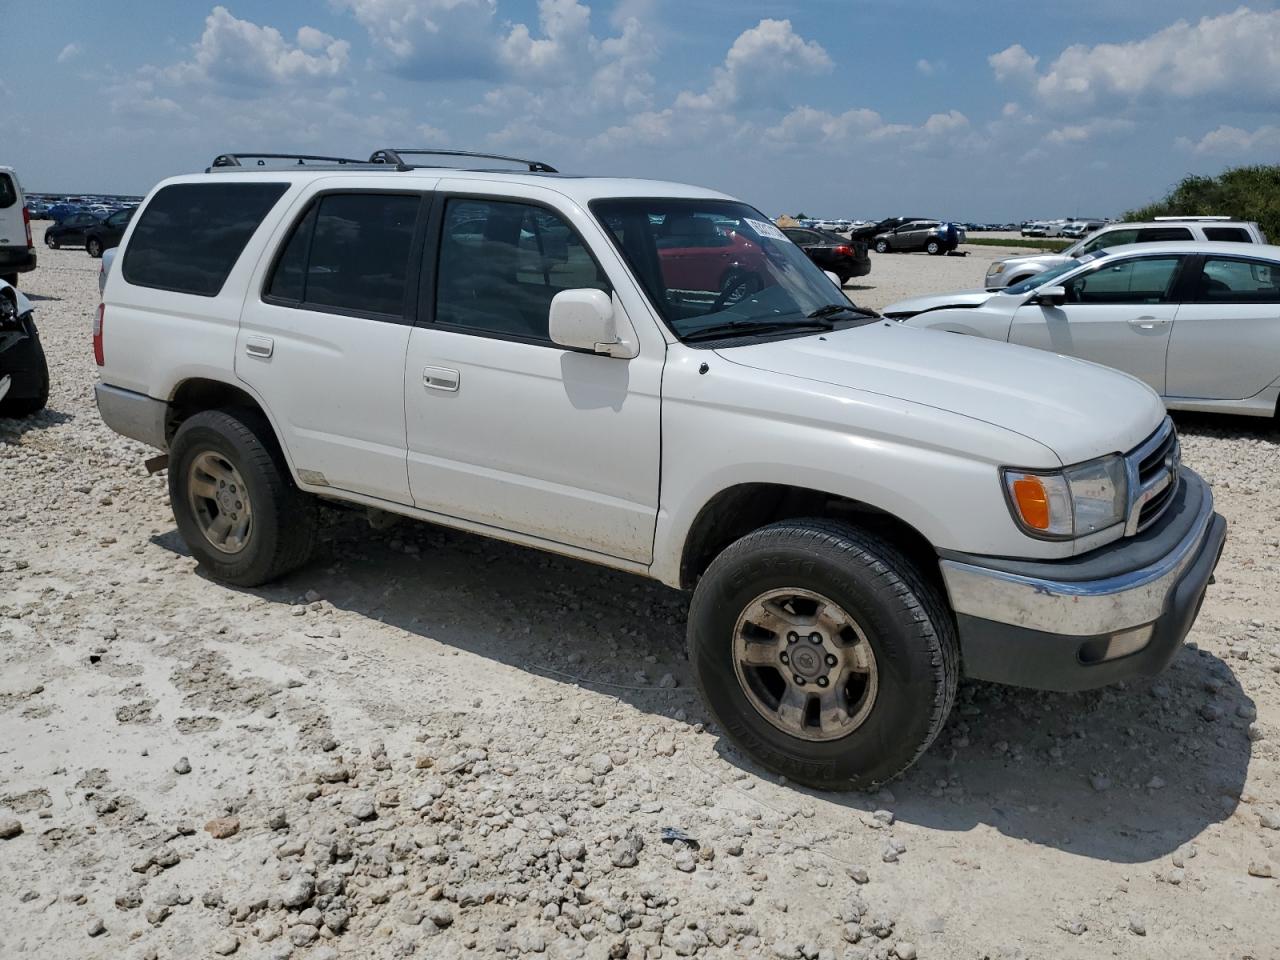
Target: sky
{"points": [[983, 110]]}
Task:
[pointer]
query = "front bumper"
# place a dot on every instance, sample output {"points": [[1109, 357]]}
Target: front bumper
{"points": [[1120, 611]]}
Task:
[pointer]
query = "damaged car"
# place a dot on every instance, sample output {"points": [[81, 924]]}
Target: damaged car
{"points": [[24, 373]]}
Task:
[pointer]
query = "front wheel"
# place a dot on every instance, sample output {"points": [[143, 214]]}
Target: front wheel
{"points": [[52, 242], [93, 247], [933, 248], [823, 653], [882, 246], [233, 499]]}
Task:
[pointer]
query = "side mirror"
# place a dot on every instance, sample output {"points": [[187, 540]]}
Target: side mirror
{"points": [[834, 279], [583, 320], [1051, 296]]}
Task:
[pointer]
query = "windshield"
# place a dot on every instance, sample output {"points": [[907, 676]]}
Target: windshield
{"points": [[720, 267], [1046, 276]]}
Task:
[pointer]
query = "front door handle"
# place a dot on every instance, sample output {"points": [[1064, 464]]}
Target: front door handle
{"points": [[440, 378], [261, 347], [1147, 323]]}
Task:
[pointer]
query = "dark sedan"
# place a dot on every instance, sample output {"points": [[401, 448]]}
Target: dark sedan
{"points": [[107, 233], [830, 251], [70, 231]]}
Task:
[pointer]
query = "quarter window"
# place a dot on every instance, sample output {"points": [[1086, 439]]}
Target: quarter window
{"points": [[1137, 280], [1238, 281], [191, 234], [502, 263], [349, 253]]}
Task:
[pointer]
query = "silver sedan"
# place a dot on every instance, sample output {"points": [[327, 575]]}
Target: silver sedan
{"points": [[1199, 322]]}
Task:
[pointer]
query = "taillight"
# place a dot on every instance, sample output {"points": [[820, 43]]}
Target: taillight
{"points": [[97, 334], [845, 251], [26, 222]]}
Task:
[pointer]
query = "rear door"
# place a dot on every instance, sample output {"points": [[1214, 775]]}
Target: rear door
{"points": [[324, 330], [1226, 339], [1119, 314]]}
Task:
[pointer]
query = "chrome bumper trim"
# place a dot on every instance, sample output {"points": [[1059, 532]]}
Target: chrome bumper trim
{"points": [[1079, 609]]}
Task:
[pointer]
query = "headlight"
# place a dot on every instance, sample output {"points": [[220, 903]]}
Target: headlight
{"points": [[1074, 502], [994, 269]]}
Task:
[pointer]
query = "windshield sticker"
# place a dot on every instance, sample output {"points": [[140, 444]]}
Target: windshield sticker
{"points": [[765, 229]]}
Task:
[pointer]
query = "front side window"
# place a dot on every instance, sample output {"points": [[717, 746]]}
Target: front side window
{"points": [[1112, 238], [501, 263], [1136, 280], [744, 274], [1237, 281], [191, 234]]}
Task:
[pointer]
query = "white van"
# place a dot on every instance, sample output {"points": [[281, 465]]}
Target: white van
{"points": [[17, 252]]}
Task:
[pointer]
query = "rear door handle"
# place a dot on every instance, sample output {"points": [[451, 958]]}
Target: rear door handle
{"points": [[440, 378], [261, 347], [1147, 323]]}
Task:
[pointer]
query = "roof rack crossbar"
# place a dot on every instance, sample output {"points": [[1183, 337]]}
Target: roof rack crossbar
{"points": [[396, 156], [233, 160]]}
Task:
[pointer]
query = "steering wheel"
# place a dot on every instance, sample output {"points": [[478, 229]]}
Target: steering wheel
{"points": [[746, 283]]}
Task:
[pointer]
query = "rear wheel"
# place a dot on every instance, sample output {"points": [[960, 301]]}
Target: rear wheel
{"points": [[51, 242], [233, 499], [933, 248], [823, 653], [93, 247]]}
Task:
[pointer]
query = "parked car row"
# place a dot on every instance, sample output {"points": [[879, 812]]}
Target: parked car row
{"points": [[90, 231]]}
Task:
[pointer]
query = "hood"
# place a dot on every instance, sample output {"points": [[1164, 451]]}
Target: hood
{"points": [[935, 301], [1077, 409], [1034, 259], [23, 304]]}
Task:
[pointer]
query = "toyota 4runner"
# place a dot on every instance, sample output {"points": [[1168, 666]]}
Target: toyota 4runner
{"points": [[652, 377]]}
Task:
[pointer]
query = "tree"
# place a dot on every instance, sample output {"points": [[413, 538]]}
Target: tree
{"points": [[1242, 193]]}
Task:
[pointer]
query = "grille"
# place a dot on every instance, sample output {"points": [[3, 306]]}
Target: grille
{"points": [[1153, 477]]}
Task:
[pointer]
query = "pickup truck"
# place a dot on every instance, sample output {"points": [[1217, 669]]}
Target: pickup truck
{"points": [[652, 377]]}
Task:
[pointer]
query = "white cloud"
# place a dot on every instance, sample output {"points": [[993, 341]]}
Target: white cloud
{"points": [[758, 58], [809, 125], [69, 52], [1083, 132], [928, 68], [241, 53], [428, 39], [1013, 63], [1236, 54], [1233, 141]]}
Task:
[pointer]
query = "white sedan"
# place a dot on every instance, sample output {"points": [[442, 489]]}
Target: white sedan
{"points": [[1198, 321]]}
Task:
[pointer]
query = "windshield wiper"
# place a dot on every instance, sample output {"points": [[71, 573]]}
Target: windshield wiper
{"points": [[831, 309], [758, 326]]}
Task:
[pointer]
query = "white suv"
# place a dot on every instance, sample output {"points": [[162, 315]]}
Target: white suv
{"points": [[1013, 270], [650, 376]]}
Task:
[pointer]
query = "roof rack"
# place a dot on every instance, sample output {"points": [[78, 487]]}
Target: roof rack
{"points": [[1190, 219], [237, 160], [396, 156]]}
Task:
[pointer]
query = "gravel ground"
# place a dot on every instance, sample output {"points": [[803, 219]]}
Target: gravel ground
{"points": [[431, 744]]}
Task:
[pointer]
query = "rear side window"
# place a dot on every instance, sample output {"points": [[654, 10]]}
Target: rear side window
{"points": [[1230, 234], [349, 253], [1238, 281], [1162, 234], [8, 192], [191, 234]]}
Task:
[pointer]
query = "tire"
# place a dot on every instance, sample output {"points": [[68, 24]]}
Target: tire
{"points": [[280, 522], [904, 698], [51, 242], [882, 246], [29, 388], [93, 247], [933, 248]]}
